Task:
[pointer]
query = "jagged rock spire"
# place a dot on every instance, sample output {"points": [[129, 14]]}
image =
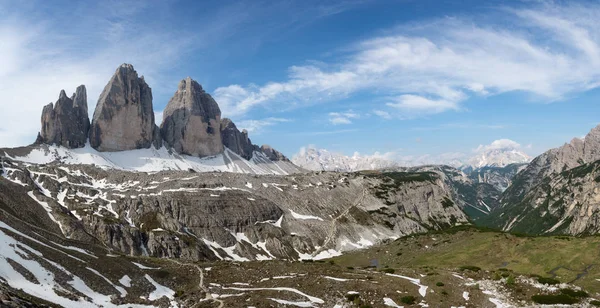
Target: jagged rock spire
{"points": [[124, 117], [192, 121], [66, 123]]}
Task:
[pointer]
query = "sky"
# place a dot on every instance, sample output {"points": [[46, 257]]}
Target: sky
{"points": [[405, 78]]}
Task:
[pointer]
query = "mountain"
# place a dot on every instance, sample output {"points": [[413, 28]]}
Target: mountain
{"points": [[556, 192], [231, 215], [476, 199], [124, 116], [122, 133], [499, 153], [66, 123], [499, 177], [120, 215], [192, 121], [311, 158]]}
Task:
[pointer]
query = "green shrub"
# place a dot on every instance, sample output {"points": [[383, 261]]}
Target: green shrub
{"points": [[444, 292], [547, 280], [510, 280], [389, 270], [573, 293], [447, 203], [595, 303], [352, 297], [440, 284], [409, 300], [350, 268], [470, 268], [554, 299]]}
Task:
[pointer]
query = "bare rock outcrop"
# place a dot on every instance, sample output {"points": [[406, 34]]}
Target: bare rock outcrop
{"points": [[124, 117], [236, 141], [273, 154], [555, 161], [192, 121], [66, 123]]}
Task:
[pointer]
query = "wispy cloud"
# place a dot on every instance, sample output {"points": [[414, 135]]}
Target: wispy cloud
{"points": [[549, 51], [337, 118], [257, 126], [383, 114], [328, 132], [459, 125]]}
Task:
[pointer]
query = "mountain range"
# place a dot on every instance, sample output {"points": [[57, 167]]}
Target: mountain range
{"points": [[92, 201], [500, 153]]}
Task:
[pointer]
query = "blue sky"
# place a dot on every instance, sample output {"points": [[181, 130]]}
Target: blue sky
{"points": [[405, 78]]}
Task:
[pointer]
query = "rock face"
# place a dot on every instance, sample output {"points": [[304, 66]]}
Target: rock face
{"points": [[192, 121], [272, 154], [124, 117], [500, 177], [236, 141], [554, 161], [556, 193], [223, 215], [66, 123]]}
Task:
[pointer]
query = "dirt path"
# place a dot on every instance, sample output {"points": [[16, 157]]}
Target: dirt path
{"points": [[201, 286]]}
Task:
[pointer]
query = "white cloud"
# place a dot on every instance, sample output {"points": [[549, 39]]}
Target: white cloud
{"points": [[257, 126], [337, 118], [418, 104], [383, 114], [500, 144], [548, 51]]}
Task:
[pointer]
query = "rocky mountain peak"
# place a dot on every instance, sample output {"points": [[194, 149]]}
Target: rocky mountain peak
{"points": [[273, 154], [66, 123], [235, 140], [79, 98], [124, 117], [192, 120]]}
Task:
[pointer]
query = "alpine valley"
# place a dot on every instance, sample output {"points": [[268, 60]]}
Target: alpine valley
{"points": [[117, 211]]}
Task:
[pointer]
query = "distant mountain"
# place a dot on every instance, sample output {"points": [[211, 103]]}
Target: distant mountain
{"points": [[323, 160], [499, 177], [500, 153]]}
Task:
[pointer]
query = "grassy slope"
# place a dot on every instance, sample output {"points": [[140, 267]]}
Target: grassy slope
{"points": [[490, 251]]}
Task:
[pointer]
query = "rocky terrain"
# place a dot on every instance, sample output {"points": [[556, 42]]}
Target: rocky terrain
{"points": [[499, 177], [556, 193], [136, 232], [555, 161], [210, 216]]}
